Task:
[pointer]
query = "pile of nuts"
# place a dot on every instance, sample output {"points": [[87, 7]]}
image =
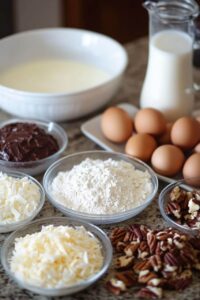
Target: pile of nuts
{"points": [[158, 259], [184, 207]]}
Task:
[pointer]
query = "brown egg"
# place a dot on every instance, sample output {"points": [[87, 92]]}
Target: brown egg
{"points": [[151, 121], [197, 148], [116, 125], [165, 138], [167, 160], [191, 169], [141, 146], [185, 132], [198, 118]]}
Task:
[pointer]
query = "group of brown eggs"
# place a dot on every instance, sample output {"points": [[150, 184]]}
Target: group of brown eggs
{"points": [[169, 147]]}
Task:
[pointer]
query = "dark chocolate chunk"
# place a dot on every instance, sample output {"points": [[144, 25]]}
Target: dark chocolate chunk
{"points": [[22, 142]]}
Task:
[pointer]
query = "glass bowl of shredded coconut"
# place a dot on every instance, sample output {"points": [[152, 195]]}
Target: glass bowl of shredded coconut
{"points": [[21, 199], [56, 256], [99, 186]]}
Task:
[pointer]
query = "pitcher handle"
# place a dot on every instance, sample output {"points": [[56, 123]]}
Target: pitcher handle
{"points": [[196, 86]]}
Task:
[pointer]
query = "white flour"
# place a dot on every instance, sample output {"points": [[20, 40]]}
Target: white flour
{"points": [[101, 187]]}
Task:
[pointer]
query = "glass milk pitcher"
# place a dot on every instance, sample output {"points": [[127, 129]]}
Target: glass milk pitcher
{"points": [[168, 84]]}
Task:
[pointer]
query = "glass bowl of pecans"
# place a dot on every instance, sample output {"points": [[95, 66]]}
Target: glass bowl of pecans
{"points": [[179, 204]]}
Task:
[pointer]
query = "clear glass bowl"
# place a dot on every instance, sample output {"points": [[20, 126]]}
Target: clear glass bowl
{"points": [[36, 226], [16, 225], [38, 166], [186, 184], [67, 163]]}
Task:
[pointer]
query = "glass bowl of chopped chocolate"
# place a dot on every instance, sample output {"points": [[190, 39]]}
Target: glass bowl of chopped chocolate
{"points": [[30, 146], [179, 204]]}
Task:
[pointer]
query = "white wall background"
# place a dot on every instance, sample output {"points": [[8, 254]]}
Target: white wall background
{"points": [[31, 14]]}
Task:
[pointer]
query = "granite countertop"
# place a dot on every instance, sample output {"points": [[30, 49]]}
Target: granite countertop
{"points": [[129, 92]]}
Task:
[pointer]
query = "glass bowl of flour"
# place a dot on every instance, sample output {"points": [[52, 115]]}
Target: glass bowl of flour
{"points": [[99, 186]]}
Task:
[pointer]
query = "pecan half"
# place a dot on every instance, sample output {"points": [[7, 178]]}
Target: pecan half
{"points": [[143, 250], [151, 241], [129, 237], [159, 282], [187, 255], [120, 246], [141, 265], [131, 248], [179, 195], [117, 235], [192, 223], [144, 230], [124, 262], [164, 245], [173, 209], [115, 286], [171, 259], [139, 234], [156, 262], [181, 281], [162, 235], [179, 241], [158, 250], [150, 293], [129, 278], [145, 276]]}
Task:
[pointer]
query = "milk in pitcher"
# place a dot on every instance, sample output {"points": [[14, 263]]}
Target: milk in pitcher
{"points": [[169, 77]]}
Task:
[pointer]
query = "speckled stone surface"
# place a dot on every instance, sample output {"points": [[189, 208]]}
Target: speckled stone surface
{"points": [[129, 92]]}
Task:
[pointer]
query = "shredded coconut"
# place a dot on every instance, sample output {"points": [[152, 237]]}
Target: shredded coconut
{"points": [[19, 197], [56, 256], [102, 187]]}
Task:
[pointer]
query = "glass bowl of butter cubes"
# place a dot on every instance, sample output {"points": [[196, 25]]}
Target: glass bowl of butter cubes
{"points": [[21, 199], [56, 256]]}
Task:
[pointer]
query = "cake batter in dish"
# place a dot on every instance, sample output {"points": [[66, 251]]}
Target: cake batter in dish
{"points": [[53, 76]]}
